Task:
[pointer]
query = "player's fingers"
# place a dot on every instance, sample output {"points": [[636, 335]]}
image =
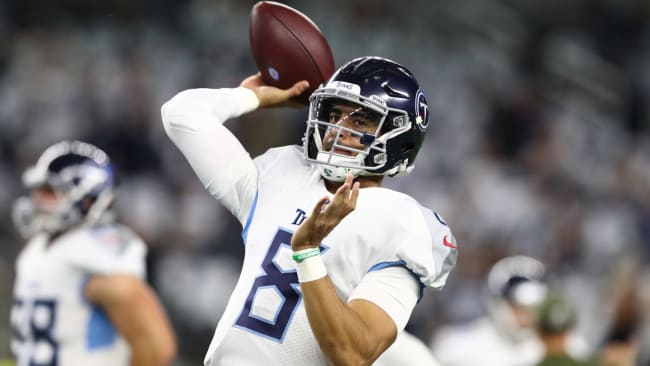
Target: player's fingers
{"points": [[349, 182], [282, 97], [320, 206], [354, 194], [342, 192], [349, 178], [298, 88], [343, 199]]}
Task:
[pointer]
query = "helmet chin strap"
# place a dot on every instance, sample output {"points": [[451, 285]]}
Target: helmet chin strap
{"points": [[401, 169], [329, 168], [336, 173]]}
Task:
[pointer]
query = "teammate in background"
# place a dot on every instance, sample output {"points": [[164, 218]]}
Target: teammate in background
{"points": [[505, 336], [79, 295], [334, 264]]}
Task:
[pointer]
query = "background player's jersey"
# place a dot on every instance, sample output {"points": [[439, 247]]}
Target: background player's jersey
{"points": [[265, 313], [52, 323], [484, 344], [407, 350]]}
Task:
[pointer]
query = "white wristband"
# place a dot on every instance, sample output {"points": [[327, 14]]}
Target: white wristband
{"points": [[311, 269]]}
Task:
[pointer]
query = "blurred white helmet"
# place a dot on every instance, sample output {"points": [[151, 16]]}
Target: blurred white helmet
{"points": [[80, 176], [515, 287]]}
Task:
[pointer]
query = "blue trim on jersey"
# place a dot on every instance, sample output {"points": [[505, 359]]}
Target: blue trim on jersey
{"points": [[99, 331], [439, 218], [399, 263], [244, 233]]}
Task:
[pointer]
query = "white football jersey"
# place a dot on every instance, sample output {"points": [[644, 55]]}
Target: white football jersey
{"points": [[482, 343], [386, 251], [265, 314], [52, 323]]}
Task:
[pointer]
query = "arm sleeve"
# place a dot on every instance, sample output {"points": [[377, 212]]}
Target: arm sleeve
{"points": [[193, 120], [393, 289]]}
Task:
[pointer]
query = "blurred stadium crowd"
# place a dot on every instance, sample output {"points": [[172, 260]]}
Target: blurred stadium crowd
{"points": [[540, 139]]}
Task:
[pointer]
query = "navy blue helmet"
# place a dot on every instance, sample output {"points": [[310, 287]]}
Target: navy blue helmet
{"points": [[381, 90], [81, 176]]}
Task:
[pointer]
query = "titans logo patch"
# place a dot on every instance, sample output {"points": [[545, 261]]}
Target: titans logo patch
{"points": [[421, 105]]}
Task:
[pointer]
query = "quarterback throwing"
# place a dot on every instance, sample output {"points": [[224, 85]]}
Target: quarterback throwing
{"points": [[334, 263]]}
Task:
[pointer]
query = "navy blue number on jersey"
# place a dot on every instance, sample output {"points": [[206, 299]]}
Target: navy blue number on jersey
{"points": [[275, 279], [37, 330]]}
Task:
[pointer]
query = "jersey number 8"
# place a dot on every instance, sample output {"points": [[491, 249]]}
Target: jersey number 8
{"points": [[282, 286]]}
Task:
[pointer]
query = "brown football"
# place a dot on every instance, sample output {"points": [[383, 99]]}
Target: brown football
{"points": [[288, 47]]}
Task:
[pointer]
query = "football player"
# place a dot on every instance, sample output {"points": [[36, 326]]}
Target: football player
{"points": [[80, 297], [505, 336], [334, 263]]}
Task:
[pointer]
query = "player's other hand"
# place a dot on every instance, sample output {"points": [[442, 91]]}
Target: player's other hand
{"points": [[326, 215], [270, 96]]}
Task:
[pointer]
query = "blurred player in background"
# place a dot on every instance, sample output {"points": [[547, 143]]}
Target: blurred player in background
{"points": [[505, 336], [315, 287], [80, 296]]}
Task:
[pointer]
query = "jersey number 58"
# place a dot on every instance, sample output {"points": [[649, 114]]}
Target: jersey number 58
{"points": [[32, 324]]}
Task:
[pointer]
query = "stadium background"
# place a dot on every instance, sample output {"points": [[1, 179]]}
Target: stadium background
{"points": [[539, 143]]}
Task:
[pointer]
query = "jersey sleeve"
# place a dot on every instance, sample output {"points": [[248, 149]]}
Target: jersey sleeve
{"points": [[393, 289], [420, 252], [428, 248], [193, 120], [108, 250]]}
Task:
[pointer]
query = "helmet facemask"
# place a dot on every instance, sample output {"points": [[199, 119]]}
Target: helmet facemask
{"points": [[363, 122]]}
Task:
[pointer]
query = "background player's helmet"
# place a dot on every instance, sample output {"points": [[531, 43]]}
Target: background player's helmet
{"points": [[516, 286], [383, 88], [81, 176]]}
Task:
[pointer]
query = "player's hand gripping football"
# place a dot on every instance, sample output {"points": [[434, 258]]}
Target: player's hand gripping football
{"points": [[326, 215], [270, 96]]}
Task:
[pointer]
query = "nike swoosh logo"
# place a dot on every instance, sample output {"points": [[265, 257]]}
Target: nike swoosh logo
{"points": [[447, 243]]}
